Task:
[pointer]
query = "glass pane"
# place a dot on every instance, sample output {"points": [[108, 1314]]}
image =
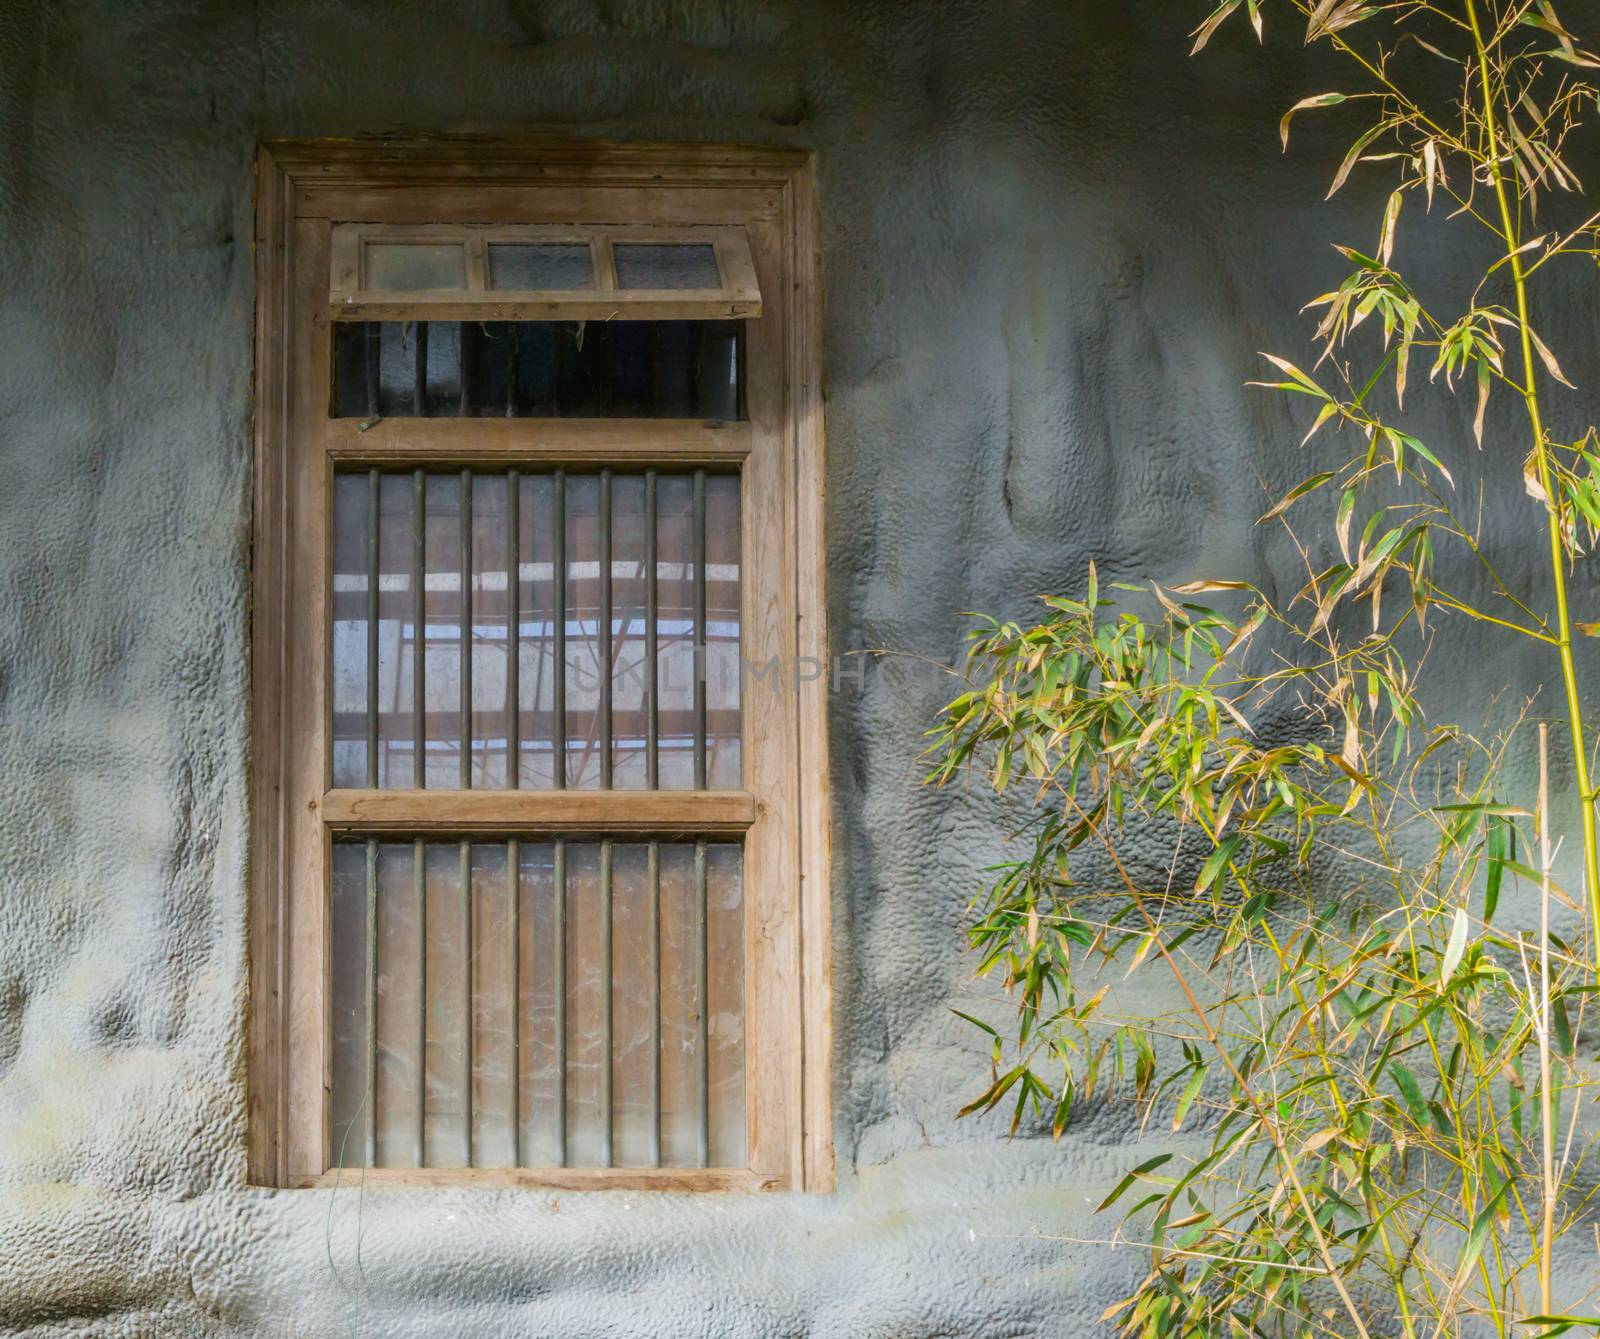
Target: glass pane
{"points": [[493, 1020], [511, 597], [446, 874], [629, 671], [484, 946], [540, 968], [491, 547], [541, 268], [586, 663], [351, 556], [722, 668], [538, 369], [400, 1006], [538, 730], [409, 267], [442, 669], [683, 265], [348, 1102], [397, 631], [675, 604], [725, 1004], [585, 1003]]}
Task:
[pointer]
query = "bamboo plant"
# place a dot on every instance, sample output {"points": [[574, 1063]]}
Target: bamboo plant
{"points": [[1370, 1086]]}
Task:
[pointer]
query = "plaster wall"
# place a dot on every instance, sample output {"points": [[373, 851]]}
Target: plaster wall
{"points": [[1052, 245]]}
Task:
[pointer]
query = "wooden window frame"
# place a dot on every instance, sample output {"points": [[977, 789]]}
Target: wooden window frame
{"points": [[736, 297], [304, 188]]}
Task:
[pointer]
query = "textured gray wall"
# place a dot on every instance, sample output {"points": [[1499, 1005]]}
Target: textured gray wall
{"points": [[1051, 246]]}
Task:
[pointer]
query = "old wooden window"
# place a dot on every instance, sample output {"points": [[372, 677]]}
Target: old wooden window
{"points": [[540, 855]]}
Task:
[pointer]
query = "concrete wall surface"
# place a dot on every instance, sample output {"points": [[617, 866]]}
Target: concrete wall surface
{"points": [[1052, 245]]}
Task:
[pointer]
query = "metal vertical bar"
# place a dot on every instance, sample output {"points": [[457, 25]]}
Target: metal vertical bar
{"points": [[372, 1004], [606, 1041], [697, 344], [419, 630], [702, 1011], [605, 629], [513, 629], [373, 518], [699, 629], [512, 347], [419, 886], [466, 629], [558, 729], [514, 922], [374, 348], [653, 929], [468, 959], [467, 348], [558, 931], [652, 711], [419, 369]]}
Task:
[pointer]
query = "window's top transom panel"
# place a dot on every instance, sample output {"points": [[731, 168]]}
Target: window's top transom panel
{"points": [[465, 272]]}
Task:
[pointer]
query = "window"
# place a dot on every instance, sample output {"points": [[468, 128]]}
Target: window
{"points": [[539, 850]]}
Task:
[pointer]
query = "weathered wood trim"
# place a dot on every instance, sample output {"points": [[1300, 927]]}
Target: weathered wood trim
{"points": [[453, 812], [306, 185]]}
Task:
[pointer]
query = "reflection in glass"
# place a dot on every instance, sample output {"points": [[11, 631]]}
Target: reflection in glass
{"points": [[506, 1037], [490, 590]]}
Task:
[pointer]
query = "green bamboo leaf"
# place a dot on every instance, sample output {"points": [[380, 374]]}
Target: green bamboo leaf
{"points": [[1410, 1089], [1479, 1235], [1301, 489], [1498, 848], [1143, 1169], [1216, 861], [1190, 1092]]}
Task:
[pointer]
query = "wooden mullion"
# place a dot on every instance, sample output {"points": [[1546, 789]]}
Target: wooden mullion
{"points": [[431, 813], [617, 442]]}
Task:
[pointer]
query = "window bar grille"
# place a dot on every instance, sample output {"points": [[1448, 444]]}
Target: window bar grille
{"points": [[467, 957], [371, 1102], [605, 1003], [514, 933], [697, 351], [653, 928], [605, 629], [419, 370], [513, 631], [466, 630], [419, 887], [374, 357], [558, 731], [419, 631], [373, 520], [558, 932], [511, 371], [652, 751], [699, 629], [702, 1011], [469, 348], [465, 881]]}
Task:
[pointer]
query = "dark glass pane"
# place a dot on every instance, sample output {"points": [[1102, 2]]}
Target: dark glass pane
{"points": [[679, 266], [538, 369]]}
